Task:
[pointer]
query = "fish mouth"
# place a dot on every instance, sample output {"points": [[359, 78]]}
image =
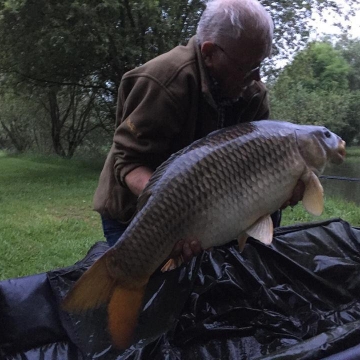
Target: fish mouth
{"points": [[341, 152]]}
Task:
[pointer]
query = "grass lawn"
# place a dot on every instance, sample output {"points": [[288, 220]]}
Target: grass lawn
{"points": [[46, 217], [333, 208]]}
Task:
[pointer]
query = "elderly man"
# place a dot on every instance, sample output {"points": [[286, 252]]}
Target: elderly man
{"points": [[180, 96]]}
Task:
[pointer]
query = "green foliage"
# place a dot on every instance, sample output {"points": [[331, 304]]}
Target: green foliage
{"points": [[50, 47], [72, 55], [90, 44], [22, 124], [350, 50], [314, 89], [94, 43], [318, 67], [329, 109]]}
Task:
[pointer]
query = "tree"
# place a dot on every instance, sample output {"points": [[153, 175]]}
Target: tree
{"points": [[350, 50], [49, 47], [93, 43], [314, 89], [63, 50], [22, 124], [71, 112], [89, 44], [318, 66]]}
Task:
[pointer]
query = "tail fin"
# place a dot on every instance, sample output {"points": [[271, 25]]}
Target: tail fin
{"points": [[123, 312], [93, 288], [96, 287]]}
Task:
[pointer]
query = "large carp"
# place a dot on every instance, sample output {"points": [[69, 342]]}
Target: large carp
{"points": [[220, 188]]}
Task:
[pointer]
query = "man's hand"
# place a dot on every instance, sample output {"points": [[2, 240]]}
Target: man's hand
{"points": [[297, 195], [137, 179], [187, 248], [183, 251]]}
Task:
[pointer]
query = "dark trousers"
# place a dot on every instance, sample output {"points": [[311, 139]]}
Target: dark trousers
{"points": [[276, 218], [113, 229]]}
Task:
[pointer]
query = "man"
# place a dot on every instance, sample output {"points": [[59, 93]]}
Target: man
{"points": [[181, 96]]}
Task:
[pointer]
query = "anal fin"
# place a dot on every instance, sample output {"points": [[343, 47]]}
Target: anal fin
{"points": [[242, 241], [172, 263]]}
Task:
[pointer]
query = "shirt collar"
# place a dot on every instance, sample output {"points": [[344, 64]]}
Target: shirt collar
{"points": [[216, 93]]}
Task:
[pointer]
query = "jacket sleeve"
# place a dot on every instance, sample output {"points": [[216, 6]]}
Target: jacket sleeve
{"points": [[148, 118]]}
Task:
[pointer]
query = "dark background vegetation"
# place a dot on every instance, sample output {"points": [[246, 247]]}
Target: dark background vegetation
{"points": [[61, 63]]}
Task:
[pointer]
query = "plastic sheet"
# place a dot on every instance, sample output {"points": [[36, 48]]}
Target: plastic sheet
{"points": [[296, 299]]}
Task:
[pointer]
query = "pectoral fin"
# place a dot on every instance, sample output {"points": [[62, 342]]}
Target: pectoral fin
{"points": [[262, 230], [313, 199], [242, 241]]}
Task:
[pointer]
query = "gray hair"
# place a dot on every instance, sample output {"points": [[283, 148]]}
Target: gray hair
{"points": [[231, 18]]}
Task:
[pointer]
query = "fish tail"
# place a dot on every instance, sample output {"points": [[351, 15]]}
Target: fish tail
{"points": [[94, 288], [123, 312]]}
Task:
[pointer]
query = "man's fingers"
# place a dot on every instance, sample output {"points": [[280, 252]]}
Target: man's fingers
{"points": [[298, 193], [187, 248], [187, 252], [285, 205], [195, 247], [178, 249], [296, 196]]}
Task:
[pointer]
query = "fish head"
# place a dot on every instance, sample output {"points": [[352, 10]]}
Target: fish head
{"points": [[319, 146]]}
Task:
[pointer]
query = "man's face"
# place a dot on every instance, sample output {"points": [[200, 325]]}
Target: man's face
{"points": [[234, 65]]}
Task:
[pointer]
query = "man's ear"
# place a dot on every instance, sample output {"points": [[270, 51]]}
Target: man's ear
{"points": [[207, 50]]}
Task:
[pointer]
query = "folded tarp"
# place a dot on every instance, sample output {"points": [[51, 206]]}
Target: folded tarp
{"points": [[296, 299]]}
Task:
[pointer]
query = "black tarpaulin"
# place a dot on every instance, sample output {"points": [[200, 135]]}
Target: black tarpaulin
{"points": [[296, 299]]}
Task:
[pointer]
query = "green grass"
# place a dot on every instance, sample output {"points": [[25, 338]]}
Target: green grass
{"points": [[333, 208], [46, 217], [353, 151]]}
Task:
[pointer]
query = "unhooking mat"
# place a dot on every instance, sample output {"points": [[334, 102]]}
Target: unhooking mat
{"points": [[296, 299]]}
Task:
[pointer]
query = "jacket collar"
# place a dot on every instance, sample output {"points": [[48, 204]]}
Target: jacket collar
{"points": [[205, 80]]}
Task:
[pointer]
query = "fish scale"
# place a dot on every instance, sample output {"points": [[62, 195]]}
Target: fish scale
{"points": [[222, 187], [228, 196]]}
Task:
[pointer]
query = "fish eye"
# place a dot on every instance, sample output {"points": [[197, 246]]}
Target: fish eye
{"points": [[327, 134]]}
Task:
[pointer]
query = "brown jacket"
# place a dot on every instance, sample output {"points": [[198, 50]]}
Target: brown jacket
{"points": [[163, 106]]}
